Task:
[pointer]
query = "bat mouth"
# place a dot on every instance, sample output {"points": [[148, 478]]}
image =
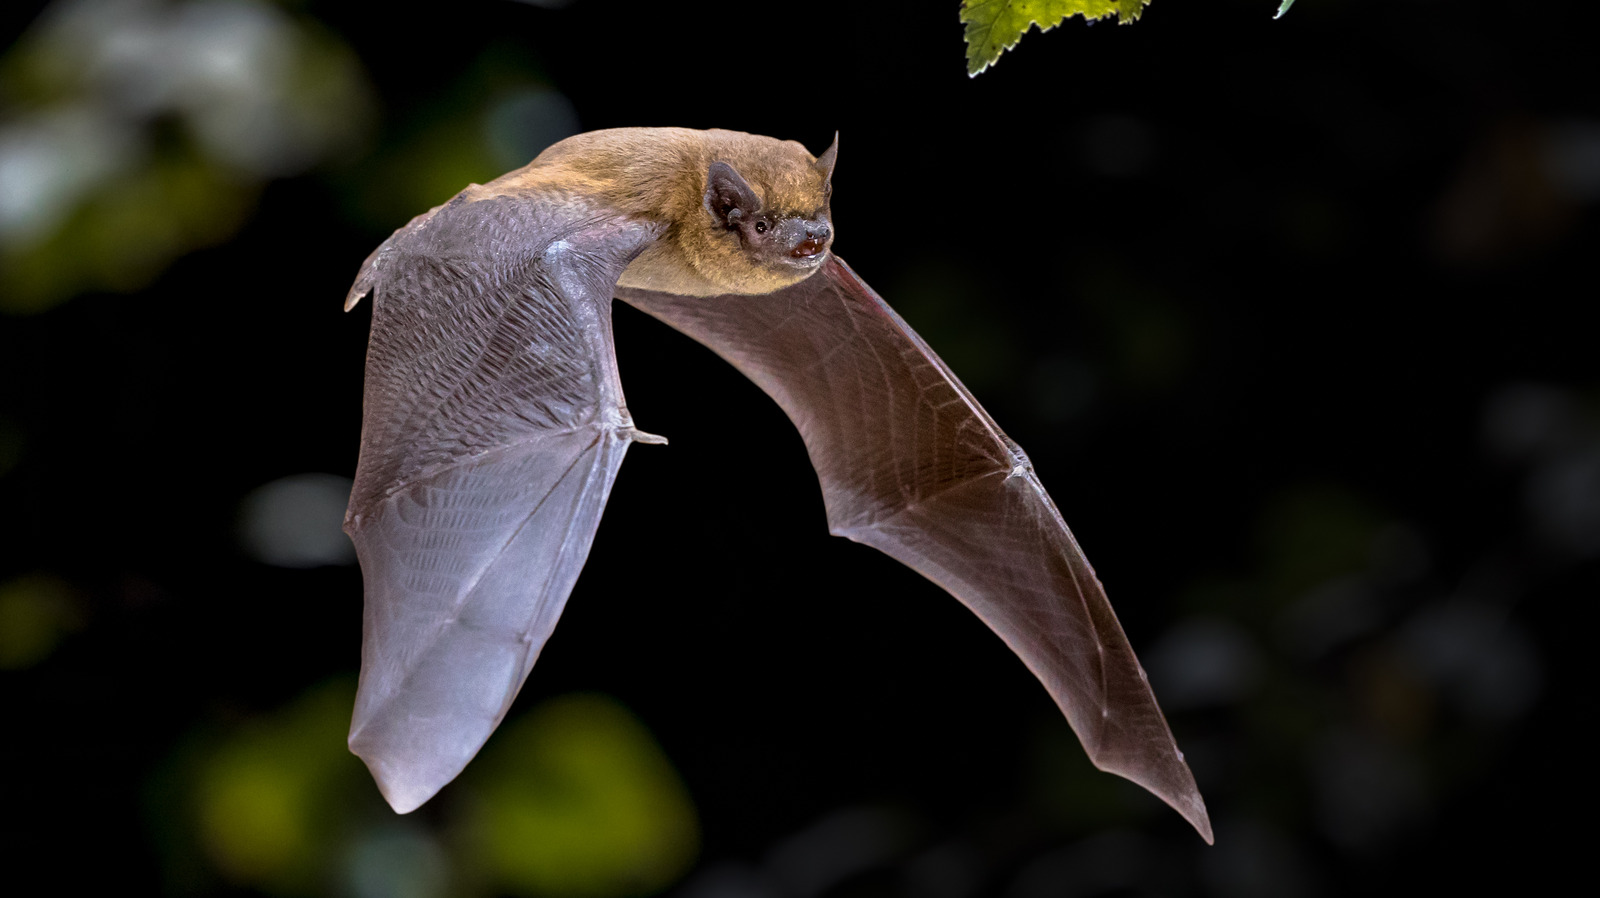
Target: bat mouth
{"points": [[805, 263], [811, 246], [803, 243]]}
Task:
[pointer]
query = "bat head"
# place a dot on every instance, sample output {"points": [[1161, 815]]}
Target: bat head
{"points": [[766, 208], [793, 232], [744, 214]]}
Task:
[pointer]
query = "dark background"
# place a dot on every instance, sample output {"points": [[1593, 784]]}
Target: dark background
{"points": [[1296, 319]]}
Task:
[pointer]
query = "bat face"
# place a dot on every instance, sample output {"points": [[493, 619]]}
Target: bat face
{"points": [[791, 241], [494, 425], [799, 244]]}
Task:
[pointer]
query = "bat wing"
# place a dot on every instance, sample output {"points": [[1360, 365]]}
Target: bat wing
{"points": [[911, 465], [493, 426]]}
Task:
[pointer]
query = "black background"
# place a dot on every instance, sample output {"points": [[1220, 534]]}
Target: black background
{"points": [[1269, 304]]}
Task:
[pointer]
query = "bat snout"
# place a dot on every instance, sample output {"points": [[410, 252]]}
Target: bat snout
{"points": [[812, 240]]}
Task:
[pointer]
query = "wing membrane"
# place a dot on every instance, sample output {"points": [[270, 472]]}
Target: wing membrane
{"points": [[493, 428], [911, 464]]}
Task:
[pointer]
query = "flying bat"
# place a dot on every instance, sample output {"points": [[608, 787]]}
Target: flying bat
{"points": [[494, 425]]}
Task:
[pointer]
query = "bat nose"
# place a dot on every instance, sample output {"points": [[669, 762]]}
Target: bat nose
{"points": [[814, 240]]}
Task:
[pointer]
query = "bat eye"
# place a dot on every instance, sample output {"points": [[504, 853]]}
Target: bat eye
{"points": [[761, 227]]}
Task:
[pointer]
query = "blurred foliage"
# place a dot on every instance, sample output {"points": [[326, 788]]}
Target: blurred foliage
{"points": [[124, 234], [576, 800], [496, 117], [972, 341], [995, 26], [1312, 533], [573, 799], [1070, 796], [297, 521], [1146, 336], [271, 799], [37, 611], [134, 132]]}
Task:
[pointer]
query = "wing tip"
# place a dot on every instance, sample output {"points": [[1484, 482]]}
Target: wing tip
{"points": [[1185, 799], [407, 769], [1174, 786], [1179, 790], [404, 802], [1193, 809], [404, 790]]}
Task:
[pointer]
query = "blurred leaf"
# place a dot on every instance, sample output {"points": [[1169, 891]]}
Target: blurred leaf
{"points": [[138, 132], [268, 801], [1283, 8], [496, 117], [400, 860], [1069, 793], [577, 799], [1149, 338], [295, 521], [36, 612], [421, 172], [935, 295], [995, 26], [1312, 533], [127, 232]]}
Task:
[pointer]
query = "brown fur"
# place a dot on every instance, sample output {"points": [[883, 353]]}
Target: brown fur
{"points": [[659, 174]]}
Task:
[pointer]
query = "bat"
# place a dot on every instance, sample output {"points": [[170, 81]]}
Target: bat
{"points": [[494, 424]]}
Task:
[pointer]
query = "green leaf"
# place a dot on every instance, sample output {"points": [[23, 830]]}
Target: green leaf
{"points": [[995, 26]]}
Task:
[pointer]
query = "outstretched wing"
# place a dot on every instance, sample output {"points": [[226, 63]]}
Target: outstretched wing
{"points": [[910, 464], [493, 427]]}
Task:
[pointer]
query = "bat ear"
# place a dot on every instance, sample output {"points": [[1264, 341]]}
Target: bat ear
{"points": [[825, 162], [728, 197]]}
